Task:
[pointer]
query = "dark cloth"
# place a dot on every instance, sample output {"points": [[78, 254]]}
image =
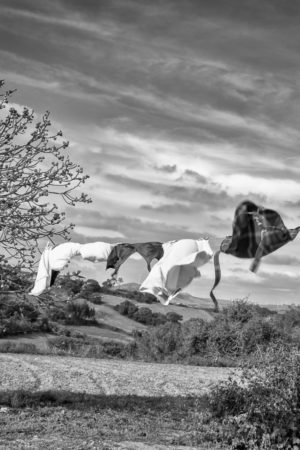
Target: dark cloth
{"points": [[150, 251], [54, 275], [118, 256], [256, 232], [121, 252]]}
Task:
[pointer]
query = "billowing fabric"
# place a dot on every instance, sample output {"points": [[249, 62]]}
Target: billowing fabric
{"points": [[43, 276], [177, 268], [53, 260], [256, 232], [61, 255], [150, 251], [118, 256], [96, 251], [121, 252]]}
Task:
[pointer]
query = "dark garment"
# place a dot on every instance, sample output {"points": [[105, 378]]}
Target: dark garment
{"points": [[54, 274], [256, 232], [150, 251], [119, 254]]}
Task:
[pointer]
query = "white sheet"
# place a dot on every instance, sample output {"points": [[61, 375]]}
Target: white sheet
{"points": [[177, 268]]}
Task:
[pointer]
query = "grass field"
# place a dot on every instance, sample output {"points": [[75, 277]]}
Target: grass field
{"points": [[72, 403]]}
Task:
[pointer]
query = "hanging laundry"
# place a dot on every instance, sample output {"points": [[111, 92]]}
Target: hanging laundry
{"points": [[96, 251], [177, 268], [256, 232], [43, 276], [118, 256], [150, 251], [62, 254], [53, 260], [121, 252]]}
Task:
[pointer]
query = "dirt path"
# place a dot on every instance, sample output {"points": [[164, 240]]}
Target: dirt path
{"points": [[106, 377]]}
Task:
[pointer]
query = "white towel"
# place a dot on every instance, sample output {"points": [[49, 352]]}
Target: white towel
{"points": [[43, 276], [96, 251], [177, 268], [61, 255]]}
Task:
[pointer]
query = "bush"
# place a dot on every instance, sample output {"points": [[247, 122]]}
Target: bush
{"points": [[95, 298], [159, 343], [13, 278], [89, 287], [262, 409], [79, 312], [18, 316], [75, 312], [71, 282], [173, 317], [143, 315]]}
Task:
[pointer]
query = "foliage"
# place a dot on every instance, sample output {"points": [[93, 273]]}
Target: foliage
{"points": [[89, 287], [14, 278], [71, 282], [237, 332], [144, 315], [261, 410], [74, 312], [112, 282], [18, 316], [34, 167], [86, 347]]}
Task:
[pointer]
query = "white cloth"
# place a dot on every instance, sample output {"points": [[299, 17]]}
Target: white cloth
{"points": [[177, 268], [61, 255], [96, 251], [57, 258], [43, 276]]}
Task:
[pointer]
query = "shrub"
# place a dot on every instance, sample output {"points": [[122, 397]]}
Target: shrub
{"points": [[262, 409], [95, 298], [143, 315], [79, 312], [18, 316], [71, 282], [173, 317], [89, 287], [13, 278], [159, 343]]}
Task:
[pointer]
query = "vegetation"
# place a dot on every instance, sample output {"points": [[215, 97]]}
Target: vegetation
{"points": [[145, 315], [261, 409], [34, 167]]}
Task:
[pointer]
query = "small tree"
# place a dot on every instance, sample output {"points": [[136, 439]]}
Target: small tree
{"points": [[33, 166]]}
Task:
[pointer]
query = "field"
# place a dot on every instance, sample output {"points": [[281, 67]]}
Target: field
{"points": [[54, 397], [99, 403], [54, 402]]}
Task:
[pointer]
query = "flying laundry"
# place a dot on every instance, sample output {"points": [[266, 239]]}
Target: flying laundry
{"points": [[53, 260], [256, 232], [177, 268], [121, 252]]}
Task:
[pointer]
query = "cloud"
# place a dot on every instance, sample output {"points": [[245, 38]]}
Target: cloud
{"points": [[132, 228], [285, 260], [167, 168]]}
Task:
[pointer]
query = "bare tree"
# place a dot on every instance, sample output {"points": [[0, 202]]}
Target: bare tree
{"points": [[34, 170]]}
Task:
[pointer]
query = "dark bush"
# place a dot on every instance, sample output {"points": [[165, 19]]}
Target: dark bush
{"points": [[173, 317], [79, 312], [71, 282], [143, 315], [159, 343], [95, 298], [261, 409], [17, 315], [89, 287], [158, 319], [13, 278]]}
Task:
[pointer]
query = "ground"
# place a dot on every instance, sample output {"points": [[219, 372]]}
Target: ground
{"points": [[101, 404]]}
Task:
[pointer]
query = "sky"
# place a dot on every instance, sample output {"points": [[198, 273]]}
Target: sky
{"points": [[178, 111]]}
